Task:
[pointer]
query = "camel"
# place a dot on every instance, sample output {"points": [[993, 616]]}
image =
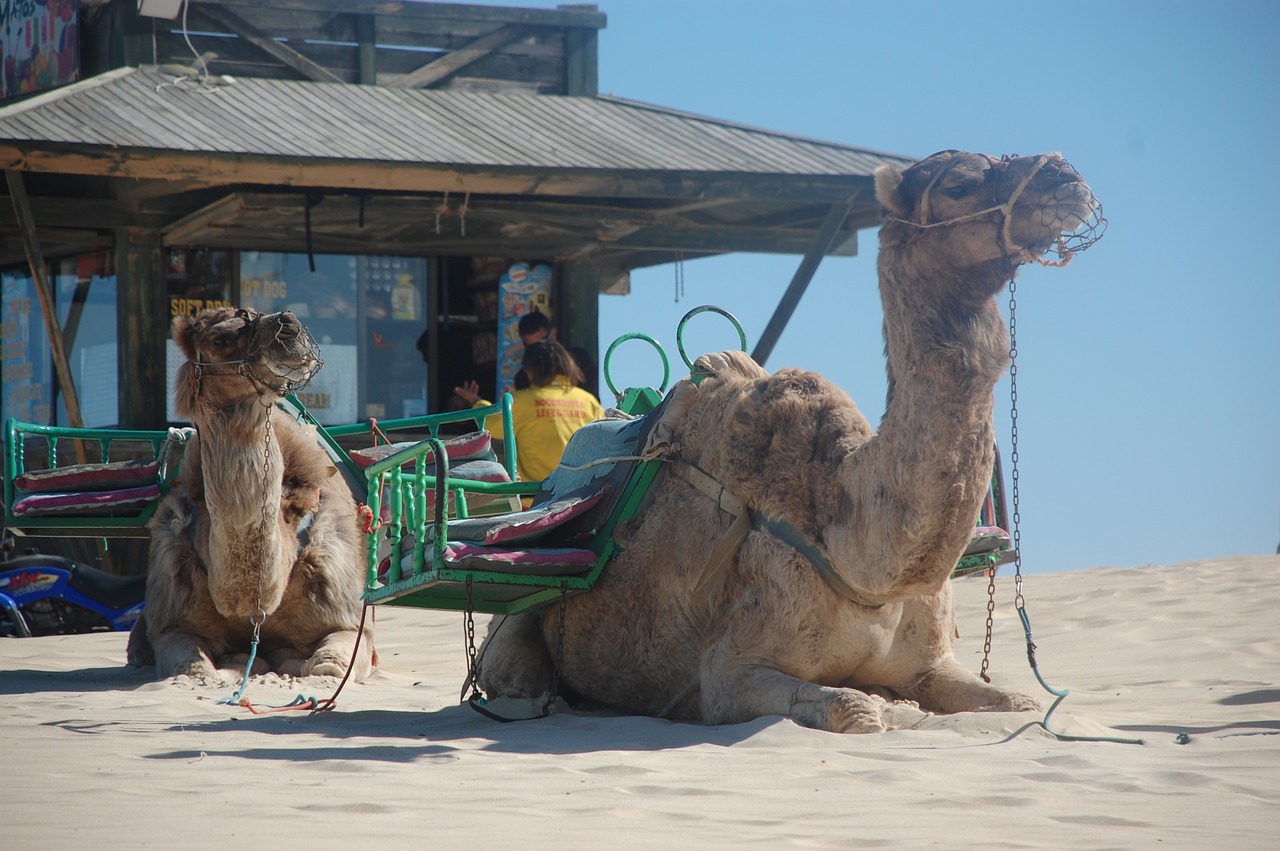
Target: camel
{"points": [[259, 533], [835, 610]]}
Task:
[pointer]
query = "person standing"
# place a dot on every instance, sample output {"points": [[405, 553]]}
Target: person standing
{"points": [[546, 413]]}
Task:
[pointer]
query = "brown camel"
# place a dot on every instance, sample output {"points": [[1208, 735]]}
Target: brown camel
{"points": [[835, 610], [259, 528]]}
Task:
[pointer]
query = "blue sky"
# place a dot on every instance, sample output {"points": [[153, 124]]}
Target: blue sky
{"points": [[1149, 369]]}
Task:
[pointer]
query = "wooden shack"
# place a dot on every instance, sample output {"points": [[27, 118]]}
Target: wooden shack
{"points": [[385, 169]]}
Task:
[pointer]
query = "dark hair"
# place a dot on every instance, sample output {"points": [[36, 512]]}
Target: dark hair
{"points": [[546, 359], [532, 323]]}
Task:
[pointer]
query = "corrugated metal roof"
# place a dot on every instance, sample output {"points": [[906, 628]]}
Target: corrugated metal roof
{"points": [[142, 109]]}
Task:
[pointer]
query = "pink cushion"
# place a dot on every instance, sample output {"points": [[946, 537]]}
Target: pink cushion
{"points": [[100, 503], [478, 445], [552, 561], [523, 527], [472, 471], [90, 477], [545, 561]]}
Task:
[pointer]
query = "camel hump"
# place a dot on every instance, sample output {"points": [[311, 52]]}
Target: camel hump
{"points": [[727, 363]]}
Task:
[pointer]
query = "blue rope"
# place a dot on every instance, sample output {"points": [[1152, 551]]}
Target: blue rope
{"points": [[1061, 694], [1019, 602], [234, 700]]}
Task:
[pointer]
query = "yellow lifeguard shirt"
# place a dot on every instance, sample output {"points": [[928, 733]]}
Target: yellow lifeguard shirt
{"points": [[544, 418]]}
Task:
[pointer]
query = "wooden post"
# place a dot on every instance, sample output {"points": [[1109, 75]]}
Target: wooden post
{"points": [[35, 259], [581, 62], [367, 48], [578, 311], [142, 319]]}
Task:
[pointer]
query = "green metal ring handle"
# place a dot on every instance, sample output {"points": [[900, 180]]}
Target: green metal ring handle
{"points": [[742, 335], [666, 365]]}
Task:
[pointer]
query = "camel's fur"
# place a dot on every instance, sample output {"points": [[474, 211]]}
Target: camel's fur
{"points": [[892, 510], [214, 562]]}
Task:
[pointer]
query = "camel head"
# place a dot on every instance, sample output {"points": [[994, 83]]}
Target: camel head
{"points": [[236, 354], [973, 214]]}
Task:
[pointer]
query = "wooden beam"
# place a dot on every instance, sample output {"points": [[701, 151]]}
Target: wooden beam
{"points": [[265, 43], [243, 169], [35, 259], [731, 238], [454, 61], [800, 281], [569, 15], [83, 214]]}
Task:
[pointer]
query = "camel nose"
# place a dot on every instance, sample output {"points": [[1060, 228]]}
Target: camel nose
{"points": [[289, 324]]}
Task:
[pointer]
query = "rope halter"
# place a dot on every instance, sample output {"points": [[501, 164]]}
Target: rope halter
{"points": [[1084, 234], [276, 332]]}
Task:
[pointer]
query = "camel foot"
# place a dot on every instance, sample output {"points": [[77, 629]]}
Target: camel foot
{"points": [[237, 662], [339, 652], [325, 665], [852, 711], [1012, 701]]}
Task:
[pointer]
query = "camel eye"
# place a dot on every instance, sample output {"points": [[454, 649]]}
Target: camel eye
{"points": [[958, 192]]}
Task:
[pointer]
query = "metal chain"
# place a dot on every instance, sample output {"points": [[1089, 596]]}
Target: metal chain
{"points": [[559, 660], [1013, 459], [991, 611], [259, 616], [1018, 602], [469, 636]]}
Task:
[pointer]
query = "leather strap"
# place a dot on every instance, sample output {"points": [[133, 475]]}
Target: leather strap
{"points": [[745, 520]]}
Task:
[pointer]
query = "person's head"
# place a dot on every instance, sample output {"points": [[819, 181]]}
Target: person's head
{"points": [[533, 327], [546, 359]]}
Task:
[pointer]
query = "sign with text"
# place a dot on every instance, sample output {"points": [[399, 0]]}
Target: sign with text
{"points": [[39, 45]]}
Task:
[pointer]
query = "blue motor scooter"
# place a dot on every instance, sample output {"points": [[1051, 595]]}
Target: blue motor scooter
{"points": [[52, 595]]}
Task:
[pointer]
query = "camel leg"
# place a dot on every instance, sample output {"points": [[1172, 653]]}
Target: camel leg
{"points": [[733, 692], [139, 653], [179, 653], [758, 691], [950, 687], [514, 660]]}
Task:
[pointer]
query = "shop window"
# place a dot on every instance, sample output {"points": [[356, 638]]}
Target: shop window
{"points": [[26, 365], [84, 292], [195, 279], [366, 312]]}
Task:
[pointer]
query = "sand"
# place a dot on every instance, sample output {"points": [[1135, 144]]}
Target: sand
{"points": [[1184, 657]]}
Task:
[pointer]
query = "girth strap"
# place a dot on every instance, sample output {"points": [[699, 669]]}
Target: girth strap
{"points": [[733, 538], [794, 538], [744, 520]]}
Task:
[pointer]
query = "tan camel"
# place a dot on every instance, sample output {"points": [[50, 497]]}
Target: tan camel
{"points": [[884, 515], [259, 527]]}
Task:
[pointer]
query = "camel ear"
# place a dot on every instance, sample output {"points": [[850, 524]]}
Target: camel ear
{"points": [[184, 334], [889, 192], [184, 393]]}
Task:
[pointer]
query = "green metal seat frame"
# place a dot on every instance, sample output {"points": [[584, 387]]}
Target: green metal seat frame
{"points": [[111, 444]]}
